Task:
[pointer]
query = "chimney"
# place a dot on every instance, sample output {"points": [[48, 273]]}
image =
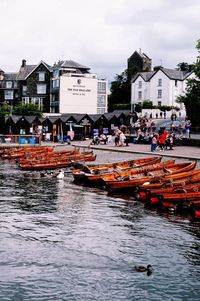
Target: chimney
{"points": [[23, 63], [156, 68]]}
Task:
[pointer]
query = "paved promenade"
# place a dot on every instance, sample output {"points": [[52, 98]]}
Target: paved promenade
{"points": [[186, 152]]}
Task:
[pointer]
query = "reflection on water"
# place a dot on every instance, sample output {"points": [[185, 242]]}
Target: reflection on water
{"points": [[61, 241]]}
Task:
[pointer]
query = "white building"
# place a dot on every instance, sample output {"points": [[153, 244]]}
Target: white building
{"points": [[76, 90], [161, 86]]}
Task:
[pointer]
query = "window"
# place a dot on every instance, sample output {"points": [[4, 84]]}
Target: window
{"points": [[8, 94], [55, 83], [101, 110], [159, 82], [139, 94], [9, 85], [176, 82], [140, 84], [25, 100], [24, 90], [159, 93], [159, 103], [101, 100], [37, 101], [41, 89], [41, 76], [56, 73], [101, 87]]}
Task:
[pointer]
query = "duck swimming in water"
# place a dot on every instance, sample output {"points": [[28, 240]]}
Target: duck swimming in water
{"points": [[141, 268]]}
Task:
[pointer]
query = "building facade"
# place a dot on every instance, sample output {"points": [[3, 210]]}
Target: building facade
{"points": [[75, 90], [161, 86], [9, 89], [67, 87], [34, 84]]}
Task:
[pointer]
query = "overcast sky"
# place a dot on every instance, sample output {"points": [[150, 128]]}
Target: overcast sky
{"points": [[100, 34]]}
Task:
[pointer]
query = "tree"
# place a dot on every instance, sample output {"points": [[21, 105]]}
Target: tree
{"points": [[191, 99], [5, 110], [120, 97], [27, 110]]}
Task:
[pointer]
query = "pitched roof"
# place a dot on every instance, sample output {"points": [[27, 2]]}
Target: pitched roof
{"points": [[10, 76], [26, 70], [171, 73], [70, 64], [145, 75], [176, 74]]}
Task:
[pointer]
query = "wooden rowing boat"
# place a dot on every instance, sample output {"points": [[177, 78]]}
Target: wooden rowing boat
{"points": [[182, 179], [83, 174], [51, 157], [138, 170], [190, 181], [96, 178], [153, 177], [44, 155], [55, 164], [23, 152]]}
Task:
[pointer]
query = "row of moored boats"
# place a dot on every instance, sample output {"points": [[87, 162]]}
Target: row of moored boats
{"points": [[46, 158], [162, 184], [165, 185]]}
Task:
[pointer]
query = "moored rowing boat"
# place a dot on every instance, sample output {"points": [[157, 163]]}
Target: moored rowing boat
{"points": [[155, 176], [56, 163], [94, 173]]}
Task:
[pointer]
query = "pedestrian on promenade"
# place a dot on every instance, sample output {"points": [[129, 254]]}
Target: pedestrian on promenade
{"points": [[116, 137], [154, 142], [162, 139], [187, 128]]}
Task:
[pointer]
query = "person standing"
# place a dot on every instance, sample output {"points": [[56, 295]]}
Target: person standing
{"points": [[154, 143], [187, 128]]}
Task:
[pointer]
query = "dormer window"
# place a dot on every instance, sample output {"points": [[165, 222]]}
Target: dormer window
{"points": [[41, 76]]}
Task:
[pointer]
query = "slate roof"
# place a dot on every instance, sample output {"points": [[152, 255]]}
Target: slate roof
{"points": [[25, 71], [145, 75], [28, 69], [109, 116], [71, 64], [176, 74], [95, 117], [10, 76], [171, 73]]}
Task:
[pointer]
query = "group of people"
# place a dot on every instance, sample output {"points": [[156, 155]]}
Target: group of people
{"points": [[98, 139], [162, 141]]}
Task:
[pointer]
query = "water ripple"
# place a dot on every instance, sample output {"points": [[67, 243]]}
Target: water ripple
{"points": [[61, 241]]}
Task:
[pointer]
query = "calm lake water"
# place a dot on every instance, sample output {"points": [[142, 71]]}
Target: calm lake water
{"points": [[61, 241]]}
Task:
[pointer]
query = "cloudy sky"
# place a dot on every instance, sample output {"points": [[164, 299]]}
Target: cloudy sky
{"points": [[100, 34]]}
